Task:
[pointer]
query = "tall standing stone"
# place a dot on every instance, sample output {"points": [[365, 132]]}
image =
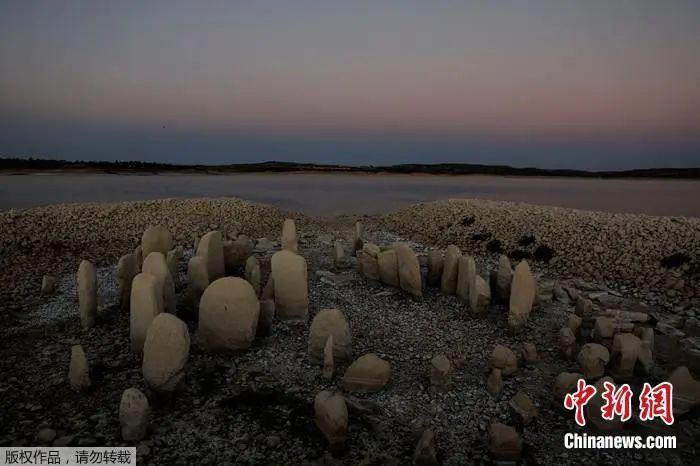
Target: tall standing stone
{"points": [[339, 259], [388, 267], [448, 281], [409, 270], [133, 415], [289, 241], [625, 352], [466, 273], [331, 416], [126, 271], [197, 280], [211, 248], [87, 294], [328, 359], [425, 453], [358, 237], [435, 265], [48, 285], [522, 296], [479, 295], [138, 254], [290, 278], [146, 303], [156, 265], [330, 322], [78, 372], [504, 277], [252, 274], [367, 260], [228, 315], [156, 239], [165, 353], [172, 259]]}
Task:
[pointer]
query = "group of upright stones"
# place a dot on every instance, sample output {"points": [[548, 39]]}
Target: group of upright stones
{"points": [[232, 311]]}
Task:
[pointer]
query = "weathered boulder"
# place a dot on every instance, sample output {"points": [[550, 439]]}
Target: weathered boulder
{"points": [[339, 259], [466, 273], [358, 237], [435, 266], [133, 415], [504, 277], [522, 295], [522, 405], [236, 252], [448, 281], [494, 383], [326, 323], [267, 316], [155, 265], [228, 315], [87, 294], [479, 295], [289, 240], [252, 274], [156, 239], [686, 391], [529, 354], [165, 353], [504, 442], [593, 358], [574, 323], [367, 260], [567, 343], [441, 370], [646, 348], [126, 271], [48, 285], [409, 270], [584, 308], [368, 373], [603, 328], [78, 372], [197, 280], [331, 416], [290, 288], [211, 248], [388, 267], [625, 351], [146, 303], [425, 453], [504, 359], [566, 383], [328, 359]]}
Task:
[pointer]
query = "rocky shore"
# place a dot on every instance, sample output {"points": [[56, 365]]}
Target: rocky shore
{"points": [[260, 405]]}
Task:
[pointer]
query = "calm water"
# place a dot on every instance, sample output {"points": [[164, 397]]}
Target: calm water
{"points": [[321, 194]]}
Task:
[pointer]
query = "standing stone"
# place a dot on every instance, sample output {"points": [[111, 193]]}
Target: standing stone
{"points": [[126, 271], [504, 359], [565, 383], [289, 240], [425, 453], [197, 280], [78, 372], [529, 354], [211, 248], [252, 274], [236, 252], [466, 273], [155, 265], [339, 259], [165, 353], [146, 303], [133, 415], [567, 343], [138, 254], [593, 358], [574, 323], [441, 372], [522, 295], [228, 315], [448, 281], [388, 267], [331, 416], [504, 277], [368, 373], [87, 294], [290, 280], [329, 322], [435, 265], [646, 348], [522, 405], [494, 383], [358, 237], [409, 270], [625, 351], [584, 308], [328, 359], [267, 316], [367, 260], [48, 285], [156, 239], [479, 295], [172, 260], [603, 328], [504, 442]]}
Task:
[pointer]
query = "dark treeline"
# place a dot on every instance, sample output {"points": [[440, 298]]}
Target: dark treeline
{"points": [[435, 169]]}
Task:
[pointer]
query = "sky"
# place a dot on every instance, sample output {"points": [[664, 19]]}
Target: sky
{"points": [[594, 84]]}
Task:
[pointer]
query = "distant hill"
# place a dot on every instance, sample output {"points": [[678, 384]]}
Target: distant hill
{"points": [[32, 164]]}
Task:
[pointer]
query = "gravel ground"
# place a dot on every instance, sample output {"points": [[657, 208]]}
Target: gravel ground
{"points": [[255, 407]]}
